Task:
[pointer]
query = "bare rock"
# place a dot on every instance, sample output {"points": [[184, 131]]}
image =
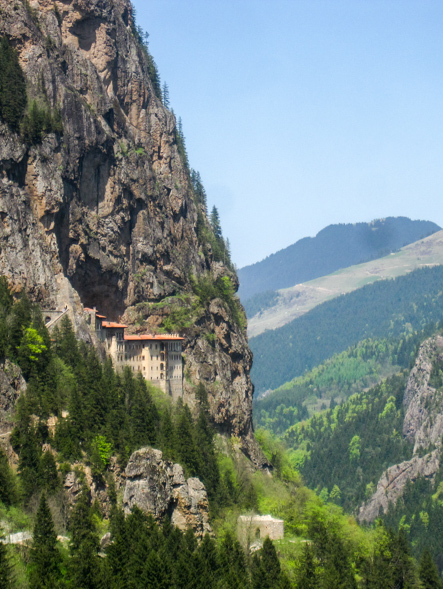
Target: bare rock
{"points": [[12, 385], [159, 487], [423, 423], [392, 483]]}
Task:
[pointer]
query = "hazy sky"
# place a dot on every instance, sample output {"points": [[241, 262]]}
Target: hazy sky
{"points": [[302, 113]]}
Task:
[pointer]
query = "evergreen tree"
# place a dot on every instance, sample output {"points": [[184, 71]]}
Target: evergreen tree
{"points": [[6, 568], [65, 343], [45, 559], [428, 572], [85, 566], [215, 223], [144, 415], [266, 570], [49, 479], [232, 572], [204, 438], [21, 317], [8, 493], [165, 94], [12, 86], [6, 302], [29, 460], [185, 446], [307, 577]]}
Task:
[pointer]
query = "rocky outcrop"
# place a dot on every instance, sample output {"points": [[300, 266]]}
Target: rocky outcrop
{"points": [[422, 426], [103, 212], [392, 483], [12, 384], [423, 423], [80, 474], [159, 487]]}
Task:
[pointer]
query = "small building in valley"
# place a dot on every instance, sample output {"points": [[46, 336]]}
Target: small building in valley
{"points": [[157, 357], [253, 529]]}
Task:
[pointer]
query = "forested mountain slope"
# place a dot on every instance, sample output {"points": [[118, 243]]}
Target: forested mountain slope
{"points": [[274, 309], [359, 367], [386, 308], [379, 452], [335, 247]]}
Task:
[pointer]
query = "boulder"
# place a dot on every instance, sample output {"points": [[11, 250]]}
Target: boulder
{"points": [[159, 487]]}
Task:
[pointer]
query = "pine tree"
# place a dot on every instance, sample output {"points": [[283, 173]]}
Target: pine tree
{"points": [[8, 493], [6, 302], [49, 479], [6, 568], [12, 86], [29, 460], [232, 572], [21, 317], [144, 415], [165, 94], [266, 571], [204, 438], [185, 446], [85, 566], [66, 345], [428, 572], [215, 223], [45, 559]]}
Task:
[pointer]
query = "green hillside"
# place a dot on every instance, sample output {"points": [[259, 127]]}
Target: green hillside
{"points": [[387, 308], [359, 367], [270, 310], [335, 247]]}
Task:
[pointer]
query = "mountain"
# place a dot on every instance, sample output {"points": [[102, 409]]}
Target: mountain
{"points": [[272, 310], [335, 247], [387, 308], [98, 204], [379, 453]]}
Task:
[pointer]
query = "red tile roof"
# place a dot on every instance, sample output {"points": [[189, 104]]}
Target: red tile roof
{"points": [[101, 316], [164, 337], [88, 309], [111, 324]]}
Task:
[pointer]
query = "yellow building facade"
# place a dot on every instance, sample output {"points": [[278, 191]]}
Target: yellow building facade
{"points": [[157, 357]]}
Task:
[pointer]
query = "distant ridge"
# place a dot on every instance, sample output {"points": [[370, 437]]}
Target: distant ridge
{"points": [[335, 247], [273, 310]]}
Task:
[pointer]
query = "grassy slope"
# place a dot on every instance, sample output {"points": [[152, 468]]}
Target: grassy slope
{"points": [[298, 300]]}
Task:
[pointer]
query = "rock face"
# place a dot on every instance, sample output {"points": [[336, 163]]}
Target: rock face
{"points": [[159, 487], [12, 384], [392, 483], [422, 426], [103, 213]]}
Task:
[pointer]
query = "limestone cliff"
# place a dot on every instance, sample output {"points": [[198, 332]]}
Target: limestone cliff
{"points": [[422, 426], [102, 212]]}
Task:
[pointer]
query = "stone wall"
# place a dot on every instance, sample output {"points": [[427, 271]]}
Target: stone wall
{"points": [[253, 528]]}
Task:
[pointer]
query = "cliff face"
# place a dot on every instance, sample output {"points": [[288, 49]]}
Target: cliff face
{"points": [[103, 213], [422, 426]]}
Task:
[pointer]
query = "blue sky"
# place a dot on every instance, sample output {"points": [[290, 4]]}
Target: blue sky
{"points": [[303, 113]]}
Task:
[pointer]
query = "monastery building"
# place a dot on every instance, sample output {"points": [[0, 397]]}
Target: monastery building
{"points": [[157, 357]]}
